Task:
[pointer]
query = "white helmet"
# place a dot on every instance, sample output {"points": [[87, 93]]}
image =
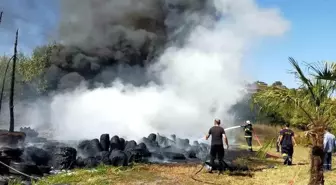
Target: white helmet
{"points": [[248, 122]]}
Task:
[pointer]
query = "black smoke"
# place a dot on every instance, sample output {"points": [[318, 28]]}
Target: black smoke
{"points": [[102, 40]]}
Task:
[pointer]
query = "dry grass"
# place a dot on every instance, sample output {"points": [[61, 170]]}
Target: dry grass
{"points": [[182, 173]]}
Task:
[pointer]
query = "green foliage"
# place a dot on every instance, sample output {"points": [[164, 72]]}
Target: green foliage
{"points": [[18, 83], [15, 181], [277, 83], [29, 69], [32, 68], [309, 106], [262, 152], [279, 105]]}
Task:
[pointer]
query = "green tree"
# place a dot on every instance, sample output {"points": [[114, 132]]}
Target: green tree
{"points": [[279, 113], [277, 83], [29, 69], [33, 68], [312, 104], [5, 77]]}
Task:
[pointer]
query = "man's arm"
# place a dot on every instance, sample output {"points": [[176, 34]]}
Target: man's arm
{"points": [[280, 136], [293, 139], [324, 142], [208, 135], [280, 139], [225, 139]]}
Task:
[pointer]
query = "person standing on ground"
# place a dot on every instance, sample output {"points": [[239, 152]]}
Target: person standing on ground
{"points": [[328, 148], [287, 142], [248, 129], [217, 148]]}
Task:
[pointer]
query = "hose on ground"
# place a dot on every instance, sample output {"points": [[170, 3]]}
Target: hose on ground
{"points": [[24, 174]]}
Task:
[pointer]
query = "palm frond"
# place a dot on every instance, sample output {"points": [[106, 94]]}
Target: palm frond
{"points": [[300, 75], [273, 98], [326, 71]]}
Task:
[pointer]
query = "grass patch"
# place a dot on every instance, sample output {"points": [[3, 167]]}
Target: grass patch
{"points": [[14, 182], [261, 173], [181, 173], [102, 175]]}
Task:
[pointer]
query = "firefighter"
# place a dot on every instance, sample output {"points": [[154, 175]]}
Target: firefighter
{"points": [[287, 142], [248, 134]]}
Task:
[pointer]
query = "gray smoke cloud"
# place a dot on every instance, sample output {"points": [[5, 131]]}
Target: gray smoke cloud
{"points": [[197, 74]]}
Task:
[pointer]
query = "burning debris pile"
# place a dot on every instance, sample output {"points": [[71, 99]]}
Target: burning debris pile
{"points": [[39, 156]]}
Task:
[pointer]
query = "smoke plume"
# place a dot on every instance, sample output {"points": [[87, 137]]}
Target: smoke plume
{"points": [[196, 77]]}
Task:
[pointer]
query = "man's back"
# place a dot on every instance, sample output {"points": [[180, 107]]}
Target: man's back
{"points": [[287, 135], [329, 142], [216, 133]]}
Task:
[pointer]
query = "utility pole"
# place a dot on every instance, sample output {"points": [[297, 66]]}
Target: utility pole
{"points": [[11, 98]]}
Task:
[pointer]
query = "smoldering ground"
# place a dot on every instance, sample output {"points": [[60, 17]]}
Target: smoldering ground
{"points": [[191, 59]]}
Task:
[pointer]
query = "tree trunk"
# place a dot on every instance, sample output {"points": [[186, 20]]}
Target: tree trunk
{"points": [[317, 157], [11, 97]]}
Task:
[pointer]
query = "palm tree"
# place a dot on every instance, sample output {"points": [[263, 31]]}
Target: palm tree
{"points": [[313, 102]]}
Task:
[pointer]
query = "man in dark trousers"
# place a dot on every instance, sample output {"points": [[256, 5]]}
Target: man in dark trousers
{"points": [[248, 129], [287, 142], [217, 148]]}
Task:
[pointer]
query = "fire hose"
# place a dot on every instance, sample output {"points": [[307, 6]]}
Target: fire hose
{"points": [[203, 165]]}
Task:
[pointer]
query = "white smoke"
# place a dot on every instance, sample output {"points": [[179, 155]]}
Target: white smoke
{"points": [[200, 82]]}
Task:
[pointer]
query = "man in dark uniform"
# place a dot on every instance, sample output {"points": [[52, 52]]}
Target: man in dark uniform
{"points": [[248, 129], [287, 142], [217, 148]]}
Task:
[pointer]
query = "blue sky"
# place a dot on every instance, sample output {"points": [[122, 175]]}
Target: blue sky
{"points": [[36, 20], [312, 36]]}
